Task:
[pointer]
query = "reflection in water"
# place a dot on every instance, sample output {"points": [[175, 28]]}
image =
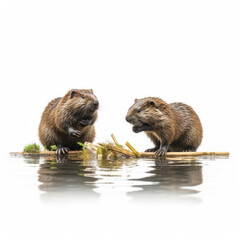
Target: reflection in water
{"points": [[134, 178], [61, 176], [176, 178]]}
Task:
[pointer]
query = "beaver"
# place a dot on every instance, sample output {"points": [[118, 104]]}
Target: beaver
{"points": [[68, 120], [172, 127]]}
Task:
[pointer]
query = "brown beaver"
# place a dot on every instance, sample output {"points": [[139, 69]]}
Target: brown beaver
{"points": [[68, 120], [171, 127]]}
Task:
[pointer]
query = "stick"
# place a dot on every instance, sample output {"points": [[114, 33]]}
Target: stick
{"points": [[114, 139], [133, 149], [128, 153], [46, 153], [169, 154]]}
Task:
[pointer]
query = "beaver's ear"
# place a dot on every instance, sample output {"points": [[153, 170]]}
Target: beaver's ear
{"points": [[72, 93], [90, 90], [135, 100], [151, 102]]}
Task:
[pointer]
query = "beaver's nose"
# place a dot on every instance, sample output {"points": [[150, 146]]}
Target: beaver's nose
{"points": [[128, 118], [96, 103]]}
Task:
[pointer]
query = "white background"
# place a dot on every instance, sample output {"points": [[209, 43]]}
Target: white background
{"points": [[176, 50]]}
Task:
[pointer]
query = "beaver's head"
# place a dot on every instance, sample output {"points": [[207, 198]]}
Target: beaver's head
{"points": [[146, 113], [82, 104]]}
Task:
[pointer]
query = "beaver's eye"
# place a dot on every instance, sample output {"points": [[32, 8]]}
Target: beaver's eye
{"points": [[83, 97], [139, 110]]}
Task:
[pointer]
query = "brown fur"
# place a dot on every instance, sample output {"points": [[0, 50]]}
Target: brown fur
{"points": [[68, 120], [171, 127]]}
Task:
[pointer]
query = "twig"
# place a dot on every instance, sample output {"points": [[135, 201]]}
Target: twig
{"points": [[117, 149], [169, 154], [46, 153], [128, 153], [133, 149], [114, 139]]}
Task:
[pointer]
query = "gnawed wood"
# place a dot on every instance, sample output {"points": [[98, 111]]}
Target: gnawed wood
{"points": [[117, 149], [114, 139], [127, 153], [46, 153], [133, 149], [172, 154]]}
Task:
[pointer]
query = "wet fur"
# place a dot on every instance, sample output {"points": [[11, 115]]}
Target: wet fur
{"points": [[171, 127], [64, 113]]}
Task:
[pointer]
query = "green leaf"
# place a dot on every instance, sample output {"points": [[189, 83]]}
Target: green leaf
{"points": [[53, 148], [32, 148], [83, 147]]}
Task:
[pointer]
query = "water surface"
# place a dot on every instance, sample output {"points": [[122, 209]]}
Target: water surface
{"points": [[138, 196], [180, 179]]}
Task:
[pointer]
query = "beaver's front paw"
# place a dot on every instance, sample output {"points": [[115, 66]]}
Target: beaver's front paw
{"points": [[161, 151], [62, 150], [75, 133], [85, 121]]}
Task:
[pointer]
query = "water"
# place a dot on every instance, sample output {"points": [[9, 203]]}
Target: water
{"points": [[132, 179], [168, 192]]}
